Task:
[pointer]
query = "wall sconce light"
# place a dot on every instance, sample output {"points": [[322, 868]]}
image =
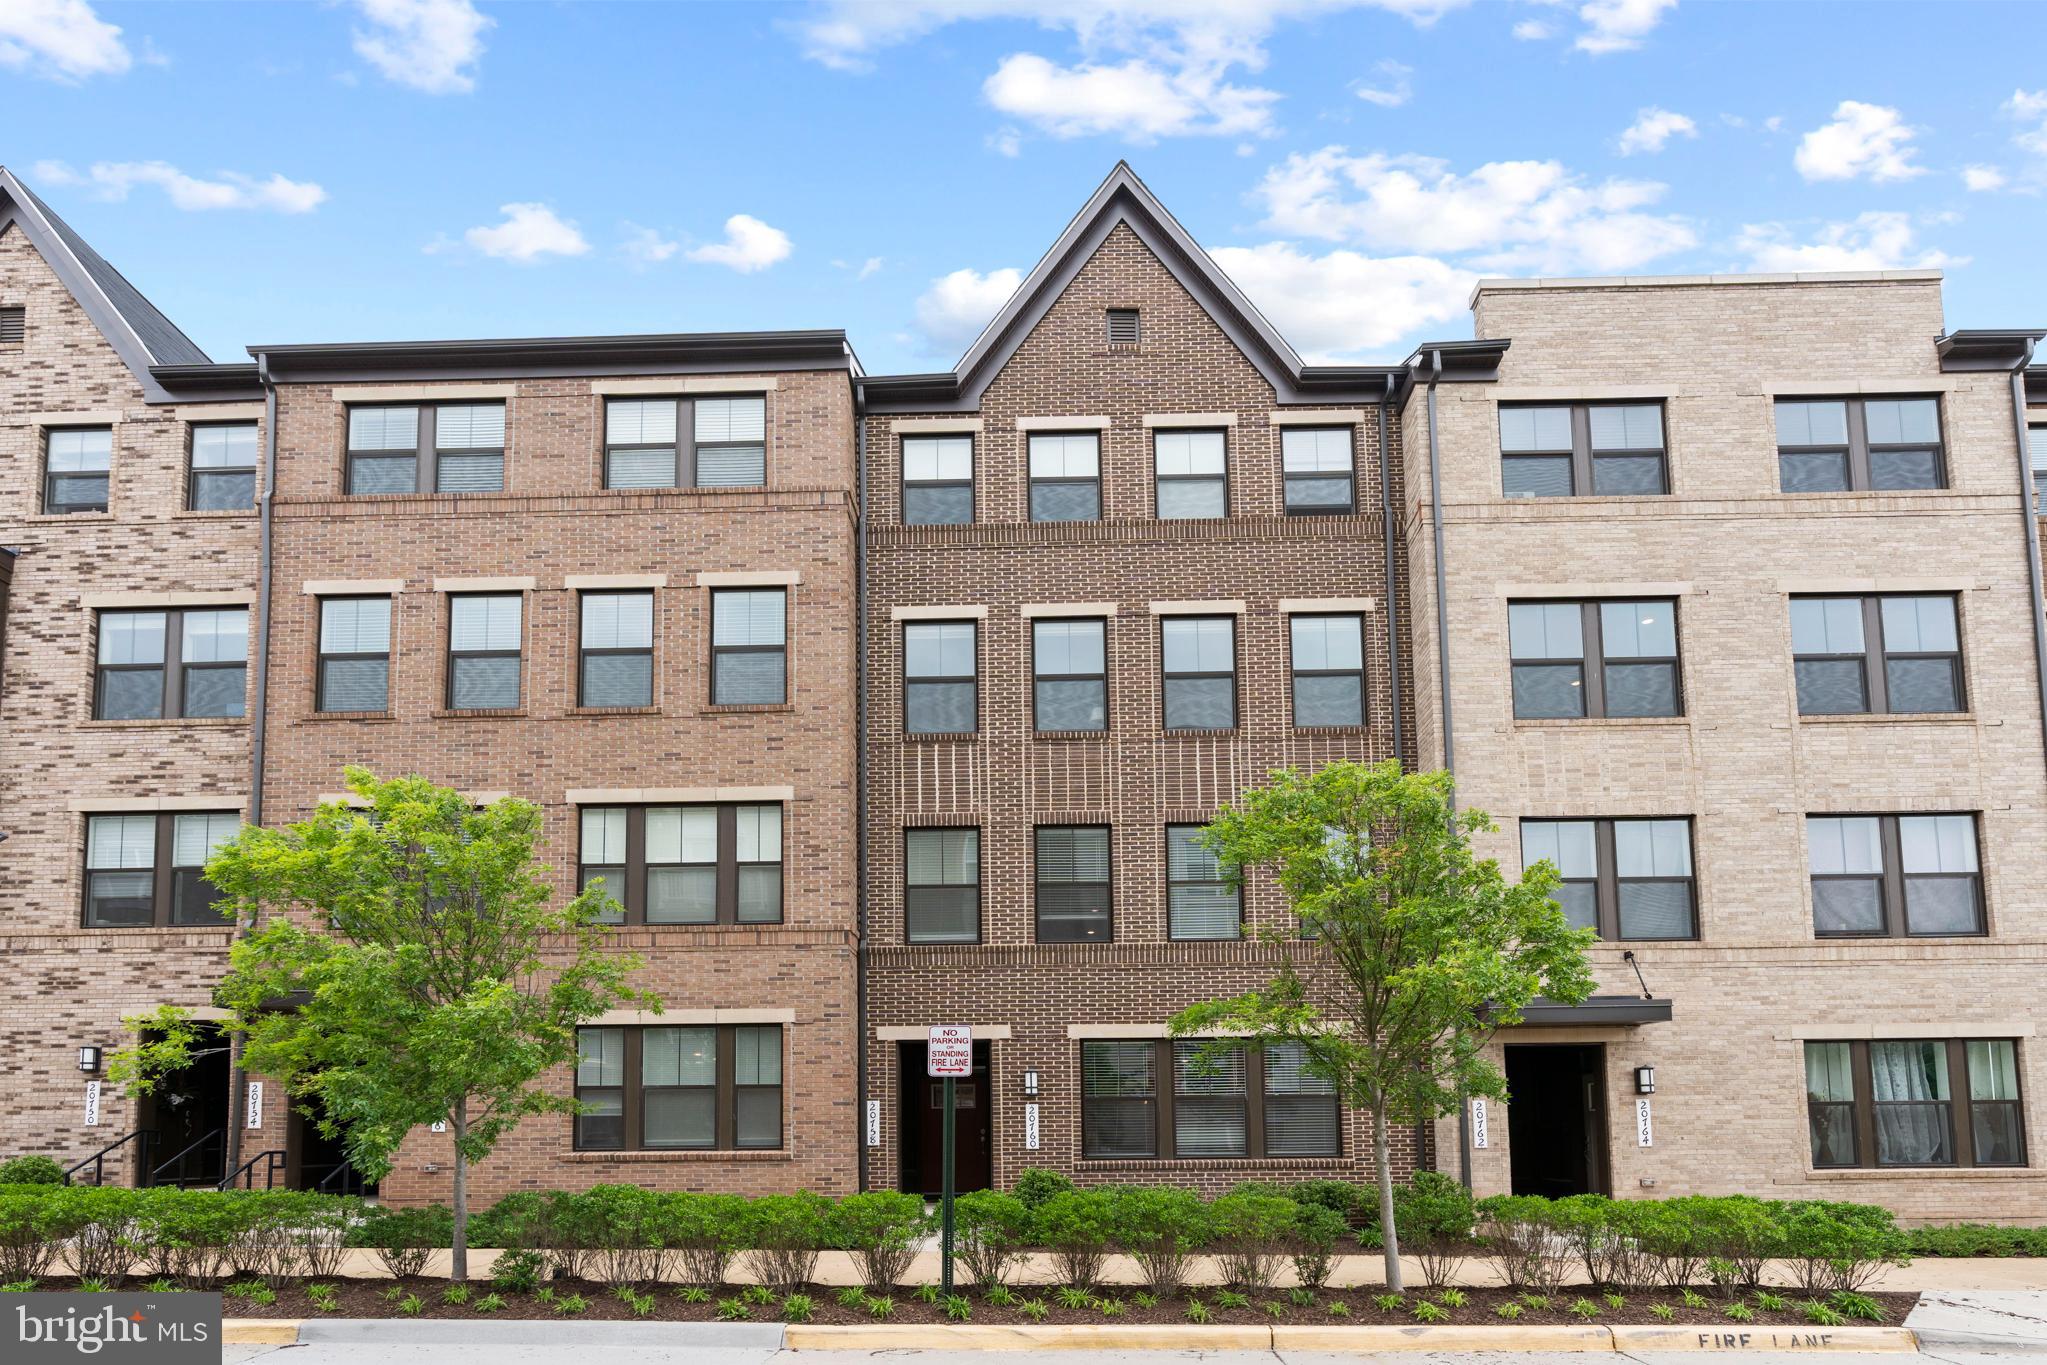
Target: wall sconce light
{"points": [[1645, 1080], [1030, 1082], [88, 1059]]}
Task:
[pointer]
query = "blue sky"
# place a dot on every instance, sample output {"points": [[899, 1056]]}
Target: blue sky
{"points": [[382, 169]]}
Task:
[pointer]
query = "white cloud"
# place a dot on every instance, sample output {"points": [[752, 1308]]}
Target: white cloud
{"points": [[1345, 305], [749, 245], [1005, 142], [2029, 106], [1983, 178], [1619, 25], [1865, 141], [61, 40], [1508, 215], [232, 190], [1397, 90], [952, 312], [868, 267], [1137, 99], [1653, 128], [645, 246], [1871, 241], [1532, 30], [430, 45], [529, 232]]}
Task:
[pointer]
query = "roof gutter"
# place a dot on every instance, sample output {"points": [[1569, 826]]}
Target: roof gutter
{"points": [[2029, 511]]}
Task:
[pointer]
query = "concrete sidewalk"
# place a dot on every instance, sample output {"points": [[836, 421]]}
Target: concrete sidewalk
{"points": [[1999, 1320]]}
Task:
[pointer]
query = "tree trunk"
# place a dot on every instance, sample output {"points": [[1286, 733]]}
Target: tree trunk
{"points": [[458, 1269], [1382, 1161]]}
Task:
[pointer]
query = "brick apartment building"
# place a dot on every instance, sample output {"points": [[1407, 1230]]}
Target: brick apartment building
{"points": [[881, 701]]}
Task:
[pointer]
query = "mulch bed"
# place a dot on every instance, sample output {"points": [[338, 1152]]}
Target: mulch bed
{"points": [[381, 1298]]}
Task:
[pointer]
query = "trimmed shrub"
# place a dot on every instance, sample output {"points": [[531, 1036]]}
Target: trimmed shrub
{"points": [[881, 1229], [1836, 1248], [1251, 1233], [990, 1231], [1160, 1226], [31, 1170], [1340, 1197], [29, 1233], [787, 1233], [1526, 1243], [194, 1236], [1314, 1237], [624, 1225], [1035, 1185], [103, 1245], [1977, 1239], [1075, 1226], [404, 1238], [705, 1231]]}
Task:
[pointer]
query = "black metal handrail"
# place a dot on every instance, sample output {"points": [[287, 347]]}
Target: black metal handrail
{"points": [[98, 1160], [218, 1135], [244, 1175], [343, 1179]]}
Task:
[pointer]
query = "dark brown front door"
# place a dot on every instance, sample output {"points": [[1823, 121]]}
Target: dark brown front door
{"points": [[188, 1112], [923, 1125], [1556, 1119]]}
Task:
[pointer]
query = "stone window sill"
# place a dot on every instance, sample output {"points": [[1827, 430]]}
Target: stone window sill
{"points": [[350, 715], [1893, 718], [479, 713], [213, 514], [645, 1155], [168, 723], [614, 711], [1599, 722], [1260, 1163], [71, 516], [745, 708], [1924, 1172]]}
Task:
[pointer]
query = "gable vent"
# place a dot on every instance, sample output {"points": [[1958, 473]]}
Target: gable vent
{"points": [[13, 326], [1123, 327]]}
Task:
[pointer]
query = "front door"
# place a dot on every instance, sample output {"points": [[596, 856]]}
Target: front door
{"points": [[1556, 1119], [923, 1125], [316, 1162], [188, 1111]]}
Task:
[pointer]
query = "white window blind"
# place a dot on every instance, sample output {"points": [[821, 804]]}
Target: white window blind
{"points": [[195, 837], [383, 428], [604, 837], [115, 841], [355, 625]]}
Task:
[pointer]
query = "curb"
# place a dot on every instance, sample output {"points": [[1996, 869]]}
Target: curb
{"points": [[763, 1336], [260, 1331], [1732, 1338]]}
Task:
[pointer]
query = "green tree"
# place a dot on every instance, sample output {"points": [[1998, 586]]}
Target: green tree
{"points": [[1410, 953], [406, 966]]}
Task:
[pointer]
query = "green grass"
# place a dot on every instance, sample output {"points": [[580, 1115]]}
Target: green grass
{"points": [[1769, 1302], [1144, 1300], [1111, 1308], [1691, 1298], [92, 1284], [1273, 1308], [29, 1287], [1301, 1297], [570, 1305], [1536, 1302], [1614, 1301]]}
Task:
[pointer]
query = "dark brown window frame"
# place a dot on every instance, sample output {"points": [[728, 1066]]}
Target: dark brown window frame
{"points": [[426, 452], [584, 653], [1584, 459], [1595, 660], [52, 507], [1032, 481], [1158, 479], [1607, 880], [686, 444], [632, 1097], [1221, 879], [718, 649], [174, 667], [1859, 446], [1108, 884], [906, 483], [1891, 880], [195, 472], [910, 887], [1295, 672], [321, 657], [728, 865], [163, 873], [1108, 720], [1876, 689], [1165, 1092], [1349, 506], [1236, 686], [1960, 1107], [451, 654], [941, 679]]}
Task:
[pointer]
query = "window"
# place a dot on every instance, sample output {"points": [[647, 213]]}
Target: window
{"points": [[1328, 654], [444, 448], [1252, 1102], [1566, 450], [1073, 900], [13, 326], [1629, 879], [685, 864], [1200, 666], [75, 465], [716, 1087], [1192, 481], [223, 467], [940, 695], [172, 664], [942, 885], [938, 480], [1201, 902], [618, 649], [483, 651], [2036, 446], [1894, 875], [1123, 327], [144, 870], [1892, 1103], [1579, 659], [749, 647], [355, 654], [1069, 678], [1859, 445], [1066, 477], [726, 445], [1855, 655], [1316, 467]]}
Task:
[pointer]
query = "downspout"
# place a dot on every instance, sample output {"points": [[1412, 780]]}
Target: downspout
{"points": [[1443, 670], [1392, 573], [2030, 493], [860, 1085], [258, 727]]}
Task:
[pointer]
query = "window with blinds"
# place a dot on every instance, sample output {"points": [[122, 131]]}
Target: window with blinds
{"points": [[1066, 477], [938, 480], [1247, 1102], [679, 1087], [1317, 469], [1211, 1110], [1301, 1115], [440, 448], [223, 475], [1119, 1100], [684, 864], [941, 695], [731, 442], [355, 654], [1069, 676], [1200, 901], [1073, 900], [1191, 476], [483, 651], [383, 450], [1328, 658], [76, 464], [149, 869], [469, 448], [749, 647], [1199, 659], [617, 641], [172, 664], [942, 885], [656, 442], [639, 443]]}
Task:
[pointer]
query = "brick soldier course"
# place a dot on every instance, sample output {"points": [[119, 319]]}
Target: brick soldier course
{"points": [[1127, 334]]}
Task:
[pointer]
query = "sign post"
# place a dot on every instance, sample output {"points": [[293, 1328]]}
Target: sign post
{"points": [[948, 1054]]}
